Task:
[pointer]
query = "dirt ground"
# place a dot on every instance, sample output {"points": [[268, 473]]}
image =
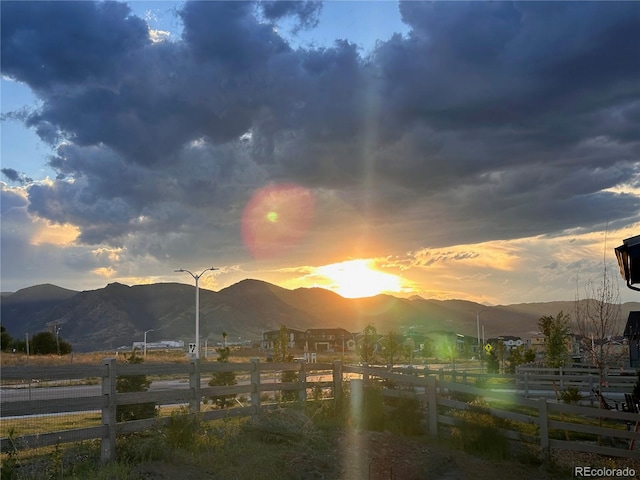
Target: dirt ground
{"points": [[363, 455]]}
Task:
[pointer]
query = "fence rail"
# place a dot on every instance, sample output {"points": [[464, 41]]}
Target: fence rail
{"points": [[439, 392]]}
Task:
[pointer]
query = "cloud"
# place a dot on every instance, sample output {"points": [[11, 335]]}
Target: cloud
{"points": [[49, 45], [485, 122], [15, 176]]}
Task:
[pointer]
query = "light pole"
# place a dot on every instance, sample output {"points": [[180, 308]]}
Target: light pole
{"points": [[145, 342], [478, 312], [197, 278]]}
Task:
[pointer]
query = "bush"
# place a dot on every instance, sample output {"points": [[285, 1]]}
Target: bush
{"points": [[372, 415], [223, 378], [134, 383], [183, 429], [289, 376], [478, 433], [406, 417], [571, 395]]}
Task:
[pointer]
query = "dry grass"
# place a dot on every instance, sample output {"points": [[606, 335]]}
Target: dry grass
{"points": [[96, 358], [38, 425]]}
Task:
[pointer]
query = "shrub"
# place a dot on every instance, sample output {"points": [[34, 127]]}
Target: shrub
{"points": [[289, 376], [571, 395], [478, 433], [183, 429], [406, 417], [134, 383], [373, 414], [223, 378]]}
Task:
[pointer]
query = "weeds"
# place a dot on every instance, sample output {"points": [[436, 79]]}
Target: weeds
{"points": [[478, 433]]}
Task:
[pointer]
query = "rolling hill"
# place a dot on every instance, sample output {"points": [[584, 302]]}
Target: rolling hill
{"points": [[118, 314]]}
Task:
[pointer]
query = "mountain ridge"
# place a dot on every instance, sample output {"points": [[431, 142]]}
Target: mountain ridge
{"points": [[119, 314]]}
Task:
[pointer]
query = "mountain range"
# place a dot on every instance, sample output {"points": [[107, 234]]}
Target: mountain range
{"points": [[118, 314]]}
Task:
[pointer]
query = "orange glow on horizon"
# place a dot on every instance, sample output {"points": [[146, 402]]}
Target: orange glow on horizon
{"points": [[355, 279]]}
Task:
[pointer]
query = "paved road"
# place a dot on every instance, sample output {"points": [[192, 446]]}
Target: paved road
{"points": [[39, 392]]}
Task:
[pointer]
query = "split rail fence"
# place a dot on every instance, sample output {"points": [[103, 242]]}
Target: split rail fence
{"points": [[440, 393]]}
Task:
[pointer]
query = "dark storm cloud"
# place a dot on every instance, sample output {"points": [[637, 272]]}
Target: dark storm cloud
{"points": [[49, 43], [307, 12], [501, 118], [110, 198], [15, 176]]}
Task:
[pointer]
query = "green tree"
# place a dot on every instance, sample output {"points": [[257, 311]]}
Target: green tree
{"points": [[45, 343], [281, 354], [281, 345], [134, 383], [223, 378], [6, 341], [367, 346], [519, 356], [391, 347], [493, 365], [501, 354], [555, 331]]}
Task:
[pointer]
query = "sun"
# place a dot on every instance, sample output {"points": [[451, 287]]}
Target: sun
{"points": [[358, 278]]}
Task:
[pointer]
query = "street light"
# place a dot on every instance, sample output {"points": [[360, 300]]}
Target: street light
{"points": [[628, 255], [478, 312], [145, 342], [196, 278]]}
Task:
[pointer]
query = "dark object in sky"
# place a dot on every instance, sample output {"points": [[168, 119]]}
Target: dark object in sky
{"points": [[628, 255]]}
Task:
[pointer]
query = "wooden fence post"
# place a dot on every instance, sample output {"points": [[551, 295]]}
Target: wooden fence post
{"points": [[194, 385], [337, 383], [108, 442], [357, 401], [302, 379], [432, 398], [255, 386], [543, 421], [526, 384]]}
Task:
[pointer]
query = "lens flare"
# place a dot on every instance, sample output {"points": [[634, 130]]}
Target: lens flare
{"points": [[276, 219]]}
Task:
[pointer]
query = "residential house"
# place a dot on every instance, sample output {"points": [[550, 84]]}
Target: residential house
{"points": [[312, 340], [328, 340], [508, 341], [295, 339]]}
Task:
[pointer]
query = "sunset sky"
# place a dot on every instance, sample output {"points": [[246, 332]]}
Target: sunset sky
{"points": [[487, 151]]}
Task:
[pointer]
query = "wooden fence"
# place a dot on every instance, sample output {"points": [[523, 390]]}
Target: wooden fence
{"points": [[440, 394]]}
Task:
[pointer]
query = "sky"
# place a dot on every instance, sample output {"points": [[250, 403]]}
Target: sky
{"points": [[486, 151]]}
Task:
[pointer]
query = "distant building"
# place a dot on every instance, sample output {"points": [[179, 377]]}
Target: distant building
{"points": [[161, 345], [328, 340], [295, 339], [312, 340], [508, 341]]}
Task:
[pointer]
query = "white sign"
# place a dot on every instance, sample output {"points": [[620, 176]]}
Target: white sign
{"points": [[192, 348]]}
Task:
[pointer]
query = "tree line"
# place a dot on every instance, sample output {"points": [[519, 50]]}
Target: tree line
{"points": [[41, 343]]}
